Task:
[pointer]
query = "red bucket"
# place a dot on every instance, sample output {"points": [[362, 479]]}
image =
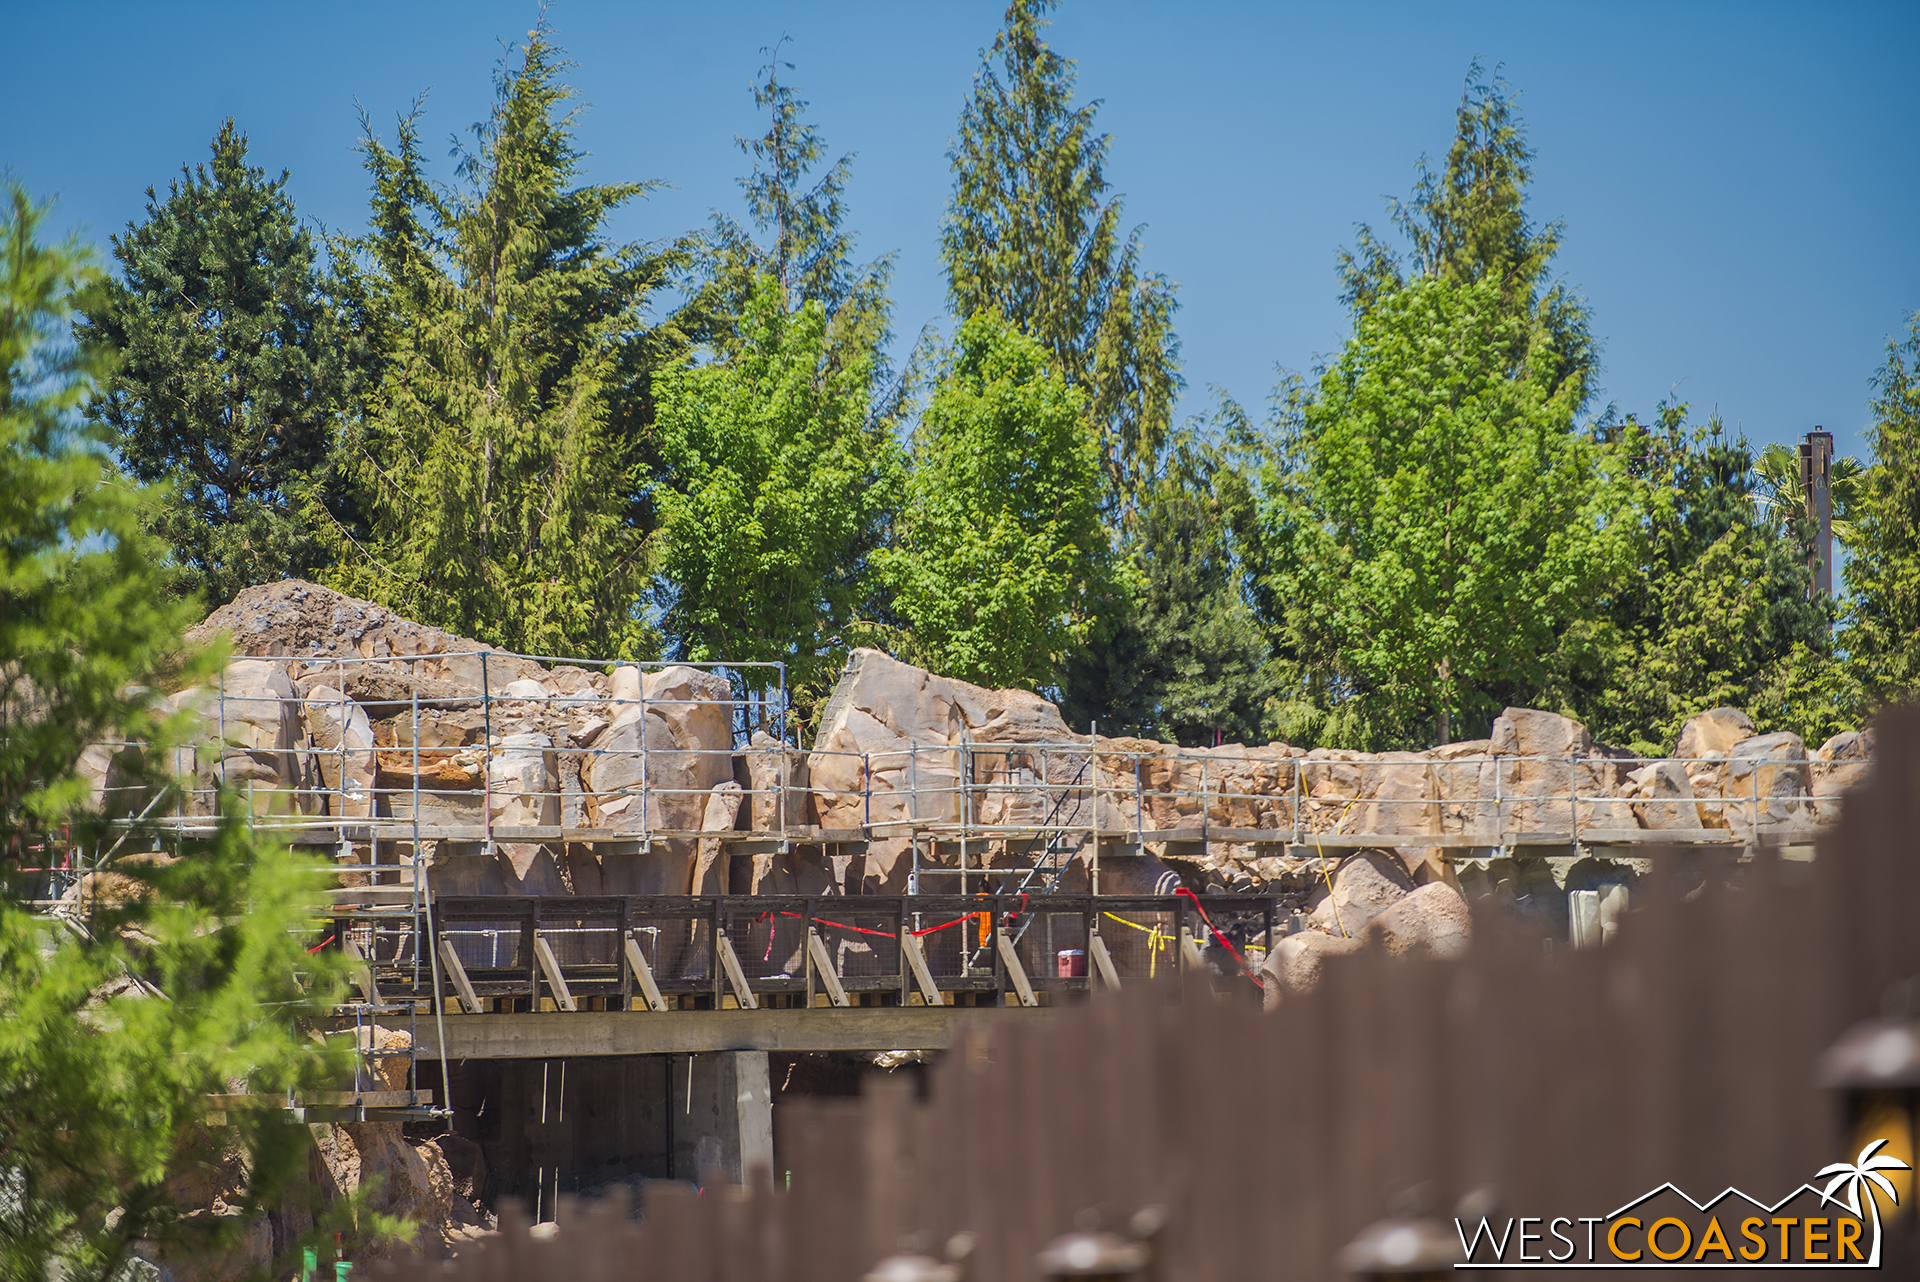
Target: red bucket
{"points": [[1071, 963]]}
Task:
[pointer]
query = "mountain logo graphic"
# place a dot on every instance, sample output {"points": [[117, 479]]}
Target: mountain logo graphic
{"points": [[1813, 1227]]}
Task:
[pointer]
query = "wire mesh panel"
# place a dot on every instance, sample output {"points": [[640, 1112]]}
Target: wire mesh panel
{"points": [[863, 943], [770, 939], [1052, 944], [676, 937], [1142, 938]]}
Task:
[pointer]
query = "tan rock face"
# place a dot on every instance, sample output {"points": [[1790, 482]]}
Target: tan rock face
{"points": [[342, 739], [1432, 921], [1365, 885], [1714, 731], [1297, 964], [1767, 781], [1668, 796], [682, 718], [1842, 764]]}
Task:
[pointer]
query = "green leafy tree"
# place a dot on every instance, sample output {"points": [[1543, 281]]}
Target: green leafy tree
{"points": [[234, 363], [496, 461], [179, 976], [775, 489], [1184, 659], [1713, 609], [1469, 223], [1440, 524], [1032, 232], [1883, 575], [1000, 555]]}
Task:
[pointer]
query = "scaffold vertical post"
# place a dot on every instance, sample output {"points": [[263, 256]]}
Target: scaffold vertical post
{"points": [[486, 766]]}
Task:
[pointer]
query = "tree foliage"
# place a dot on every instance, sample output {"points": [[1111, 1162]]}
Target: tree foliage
{"points": [[1000, 554], [1883, 633], [1032, 232], [1713, 606], [1182, 658], [496, 460], [775, 490], [1438, 521], [185, 974], [233, 366], [1469, 223], [804, 244]]}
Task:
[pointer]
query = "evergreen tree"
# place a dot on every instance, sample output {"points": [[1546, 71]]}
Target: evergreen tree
{"points": [[496, 460], [1714, 610], [775, 487], [1883, 633], [186, 975], [1469, 223], [1000, 556], [1182, 658], [234, 364], [806, 248], [1032, 232]]}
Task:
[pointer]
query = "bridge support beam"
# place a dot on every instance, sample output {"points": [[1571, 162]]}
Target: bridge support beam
{"points": [[723, 1124]]}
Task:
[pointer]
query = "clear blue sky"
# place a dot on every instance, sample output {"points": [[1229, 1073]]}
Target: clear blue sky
{"points": [[1740, 182]]}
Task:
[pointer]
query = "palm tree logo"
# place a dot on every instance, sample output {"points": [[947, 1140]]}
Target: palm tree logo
{"points": [[1857, 1175]]}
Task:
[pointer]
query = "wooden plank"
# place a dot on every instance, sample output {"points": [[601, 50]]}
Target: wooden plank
{"points": [[362, 971], [681, 1032], [823, 967], [368, 1099], [922, 973], [736, 977], [1010, 958], [644, 974], [1103, 962], [550, 965], [450, 958]]}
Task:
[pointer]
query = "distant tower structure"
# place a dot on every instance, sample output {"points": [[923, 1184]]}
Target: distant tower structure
{"points": [[1816, 482]]}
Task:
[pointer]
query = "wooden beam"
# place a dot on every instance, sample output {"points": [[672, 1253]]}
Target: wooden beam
{"points": [[1010, 958], [562, 996], [681, 1032], [736, 977], [822, 964], [1103, 966], [644, 974], [450, 958], [922, 973], [362, 971]]}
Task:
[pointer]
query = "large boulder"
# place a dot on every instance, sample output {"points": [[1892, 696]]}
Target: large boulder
{"points": [[1842, 764], [1531, 784], [1664, 796], [1766, 781], [523, 782], [343, 752], [1366, 884], [1713, 732], [1295, 965], [682, 718], [1432, 921]]}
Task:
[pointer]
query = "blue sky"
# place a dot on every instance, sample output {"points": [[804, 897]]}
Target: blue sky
{"points": [[1740, 183]]}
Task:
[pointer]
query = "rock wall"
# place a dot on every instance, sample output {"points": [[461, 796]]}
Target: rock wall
{"points": [[307, 733]]}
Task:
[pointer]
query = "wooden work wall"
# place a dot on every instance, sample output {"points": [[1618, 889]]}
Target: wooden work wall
{"points": [[1534, 1080]]}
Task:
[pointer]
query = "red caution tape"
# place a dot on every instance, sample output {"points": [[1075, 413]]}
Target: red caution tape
{"points": [[1224, 941]]}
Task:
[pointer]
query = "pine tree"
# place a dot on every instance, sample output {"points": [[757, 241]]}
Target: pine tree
{"points": [[1715, 609], [192, 972], [497, 459], [1883, 632], [1469, 223], [233, 366], [1182, 659], [1032, 232], [804, 246]]}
